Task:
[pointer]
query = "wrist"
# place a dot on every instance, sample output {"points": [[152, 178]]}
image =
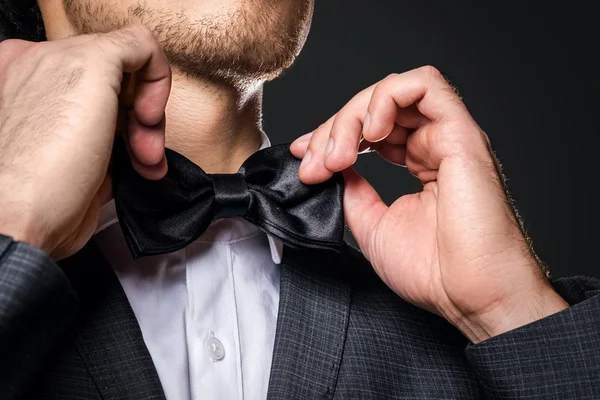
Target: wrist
{"points": [[513, 312], [17, 227]]}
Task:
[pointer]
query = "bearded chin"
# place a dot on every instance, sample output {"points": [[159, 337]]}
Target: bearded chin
{"points": [[255, 42]]}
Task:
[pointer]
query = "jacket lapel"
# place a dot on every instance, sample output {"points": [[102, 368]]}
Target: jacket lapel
{"points": [[107, 334], [313, 317], [311, 329]]}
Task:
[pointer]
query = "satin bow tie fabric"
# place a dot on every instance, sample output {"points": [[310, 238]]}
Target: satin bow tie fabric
{"points": [[163, 216]]}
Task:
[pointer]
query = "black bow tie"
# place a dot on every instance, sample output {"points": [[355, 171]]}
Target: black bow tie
{"points": [[162, 216]]}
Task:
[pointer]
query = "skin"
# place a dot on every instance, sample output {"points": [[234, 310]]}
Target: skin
{"points": [[221, 53], [457, 248], [190, 77]]}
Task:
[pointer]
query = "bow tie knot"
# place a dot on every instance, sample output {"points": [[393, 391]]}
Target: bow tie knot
{"points": [[232, 197], [163, 216]]}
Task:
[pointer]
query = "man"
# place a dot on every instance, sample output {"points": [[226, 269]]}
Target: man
{"points": [[236, 311]]}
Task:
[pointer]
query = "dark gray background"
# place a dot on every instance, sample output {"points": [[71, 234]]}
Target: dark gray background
{"points": [[526, 71]]}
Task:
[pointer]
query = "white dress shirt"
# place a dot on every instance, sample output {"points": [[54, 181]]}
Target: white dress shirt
{"points": [[207, 312]]}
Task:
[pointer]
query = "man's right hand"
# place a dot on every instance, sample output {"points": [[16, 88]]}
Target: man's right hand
{"points": [[59, 103]]}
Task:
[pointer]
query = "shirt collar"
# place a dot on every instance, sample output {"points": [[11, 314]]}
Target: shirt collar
{"points": [[108, 217]]}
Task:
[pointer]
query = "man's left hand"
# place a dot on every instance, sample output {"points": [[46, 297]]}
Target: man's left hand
{"points": [[457, 248]]}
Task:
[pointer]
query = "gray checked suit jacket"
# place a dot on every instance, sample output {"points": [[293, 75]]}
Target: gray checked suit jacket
{"points": [[68, 332]]}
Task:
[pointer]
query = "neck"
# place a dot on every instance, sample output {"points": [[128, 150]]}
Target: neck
{"points": [[214, 125]]}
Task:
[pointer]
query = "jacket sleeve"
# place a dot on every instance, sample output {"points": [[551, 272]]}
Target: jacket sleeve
{"points": [[557, 357], [37, 307]]}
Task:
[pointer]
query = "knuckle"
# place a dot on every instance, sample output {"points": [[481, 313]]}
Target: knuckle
{"points": [[142, 32], [131, 37], [114, 38], [389, 82], [26, 51], [50, 61], [322, 129], [382, 93], [383, 87], [431, 73], [10, 45]]}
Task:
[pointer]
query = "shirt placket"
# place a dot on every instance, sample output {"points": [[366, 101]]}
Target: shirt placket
{"points": [[212, 325]]}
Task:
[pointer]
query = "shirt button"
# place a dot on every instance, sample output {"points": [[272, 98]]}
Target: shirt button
{"points": [[214, 347]]}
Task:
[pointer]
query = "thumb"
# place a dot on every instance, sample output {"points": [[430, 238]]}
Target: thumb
{"points": [[363, 208]]}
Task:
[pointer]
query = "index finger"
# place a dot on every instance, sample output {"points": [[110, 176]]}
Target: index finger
{"points": [[424, 87], [139, 52]]}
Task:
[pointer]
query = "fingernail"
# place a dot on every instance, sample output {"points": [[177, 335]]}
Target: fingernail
{"points": [[330, 146], [306, 159], [366, 123]]}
